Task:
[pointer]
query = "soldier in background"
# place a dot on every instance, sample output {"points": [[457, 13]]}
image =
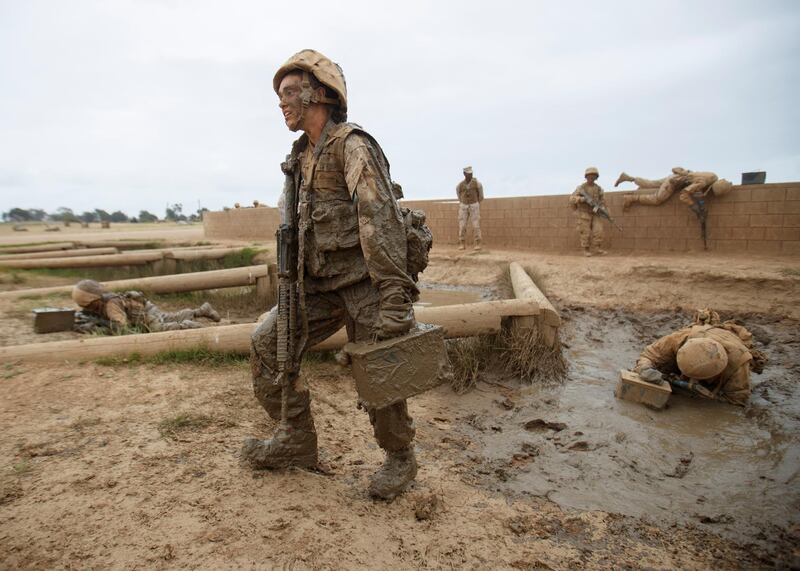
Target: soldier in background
{"points": [[470, 196], [590, 226], [719, 356], [133, 309], [690, 184]]}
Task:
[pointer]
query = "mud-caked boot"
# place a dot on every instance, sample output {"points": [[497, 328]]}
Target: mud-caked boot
{"points": [[623, 177], [461, 245], [292, 445], [398, 471], [206, 310], [600, 252], [587, 252], [477, 245]]}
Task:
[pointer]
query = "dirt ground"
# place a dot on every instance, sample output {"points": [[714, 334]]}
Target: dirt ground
{"points": [[36, 232], [137, 466]]}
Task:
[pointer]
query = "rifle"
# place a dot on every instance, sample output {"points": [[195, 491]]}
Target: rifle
{"points": [[598, 208], [288, 256], [692, 387], [699, 208], [91, 323]]}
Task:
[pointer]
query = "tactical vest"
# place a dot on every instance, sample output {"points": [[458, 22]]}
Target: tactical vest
{"points": [[333, 249]]}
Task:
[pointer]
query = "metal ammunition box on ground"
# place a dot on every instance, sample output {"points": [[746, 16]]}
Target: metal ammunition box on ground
{"points": [[632, 388], [52, 319], [389, 371]]}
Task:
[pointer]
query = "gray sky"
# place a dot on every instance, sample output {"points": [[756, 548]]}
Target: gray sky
{"points": [[130, 105]]}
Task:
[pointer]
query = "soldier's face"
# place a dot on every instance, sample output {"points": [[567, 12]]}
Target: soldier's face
{"points": [[290, 101], [95, 306], [591, 178], [467, 176]]}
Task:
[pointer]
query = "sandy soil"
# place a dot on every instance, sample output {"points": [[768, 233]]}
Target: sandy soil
{"points": [[119, 231], [93, 477]]}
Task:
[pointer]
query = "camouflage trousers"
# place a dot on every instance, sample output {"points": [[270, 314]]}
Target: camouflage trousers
{"points": [[471, 212], [648, 183], [666, 190], [590, 230], [354, 307], [157, 320]]}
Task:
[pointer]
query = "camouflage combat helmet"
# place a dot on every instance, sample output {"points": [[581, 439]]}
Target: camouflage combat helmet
{"points": [[323, 69], [702, 358], [721, 187], [87, 291], [591, 170]]}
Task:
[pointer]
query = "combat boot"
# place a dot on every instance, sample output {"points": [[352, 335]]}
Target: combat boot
{"points": [[477, 245], [600, 252], [623, 177], [398, 471], [292, 445], [206, 310], [587, 252], [461, 245]]}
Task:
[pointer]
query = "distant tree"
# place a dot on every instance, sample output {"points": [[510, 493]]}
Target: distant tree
{"points": [[175, 212], [64, 214], [88, 217], [145, 216], [102, 215], [119, 216], [18, 215], [134, 220]]}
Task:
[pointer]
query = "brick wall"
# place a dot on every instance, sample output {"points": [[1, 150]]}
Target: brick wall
{"points": [[759, 219], [251, 224]]}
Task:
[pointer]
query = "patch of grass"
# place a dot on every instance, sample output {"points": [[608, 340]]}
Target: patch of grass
{"points": [[469, 357], [22, 467], [83, 423], [238, 300], [198, 356], [790, 272], [183, 422], [10, 371]]}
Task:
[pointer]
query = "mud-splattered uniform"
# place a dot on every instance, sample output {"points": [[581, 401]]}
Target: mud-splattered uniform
{"points": [[470, 196], [132, 308], [733, 384], [687, 184], [590, 227], [355, 248]]}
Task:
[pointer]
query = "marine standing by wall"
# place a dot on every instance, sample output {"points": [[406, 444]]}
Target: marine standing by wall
{"points": [[470, 196], [590, 225], [354, 260]]}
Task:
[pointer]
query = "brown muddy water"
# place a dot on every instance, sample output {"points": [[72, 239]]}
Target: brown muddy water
{"points": [[729, 469], [433, 294]]}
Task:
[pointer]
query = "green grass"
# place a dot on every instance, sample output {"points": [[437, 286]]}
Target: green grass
{"points": [[183, 422], [22, 467], [198, 356], [790, 272]]}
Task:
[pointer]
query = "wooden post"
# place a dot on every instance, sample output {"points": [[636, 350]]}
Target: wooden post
{"points": [[548, 321]]}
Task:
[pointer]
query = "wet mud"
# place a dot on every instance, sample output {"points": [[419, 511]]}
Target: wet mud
{"points": [[730, 470]]}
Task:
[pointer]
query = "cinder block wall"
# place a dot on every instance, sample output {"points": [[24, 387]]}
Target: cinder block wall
{"points": [[252, 224], [757, 219]]}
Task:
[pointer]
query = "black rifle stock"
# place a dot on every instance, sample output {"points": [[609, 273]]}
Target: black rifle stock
{"points": [[286, 326]]}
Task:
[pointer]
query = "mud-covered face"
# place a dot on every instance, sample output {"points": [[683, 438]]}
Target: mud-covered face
{"points": [[467, 176], [591, 177], [290, 101], [95, 306]]}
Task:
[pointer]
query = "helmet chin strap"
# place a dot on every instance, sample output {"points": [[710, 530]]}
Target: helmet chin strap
{"points": [[308, 96]]}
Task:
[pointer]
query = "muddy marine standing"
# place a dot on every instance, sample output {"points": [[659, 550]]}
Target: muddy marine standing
{"points": [[590, 226], [470, 196], [352, 268]]}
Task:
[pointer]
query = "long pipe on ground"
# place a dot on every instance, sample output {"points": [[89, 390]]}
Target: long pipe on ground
{"points": [[117, 259], [51, 247], [76, 253], [193, 281], [548, 321], [458, 321]]}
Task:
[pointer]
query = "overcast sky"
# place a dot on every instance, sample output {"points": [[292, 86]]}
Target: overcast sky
{"points": [[130, 105]]}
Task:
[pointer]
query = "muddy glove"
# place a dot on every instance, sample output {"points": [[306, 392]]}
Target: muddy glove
{"points": [[396, 316], [651, 375]]}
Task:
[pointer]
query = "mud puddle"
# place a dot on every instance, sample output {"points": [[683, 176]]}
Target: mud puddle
{"points": [[733, 470], [433, 294]]}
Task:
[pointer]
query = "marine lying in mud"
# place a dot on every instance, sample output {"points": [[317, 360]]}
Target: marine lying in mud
{"points": [[114, 312], [710, 358], [348, 261]]}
